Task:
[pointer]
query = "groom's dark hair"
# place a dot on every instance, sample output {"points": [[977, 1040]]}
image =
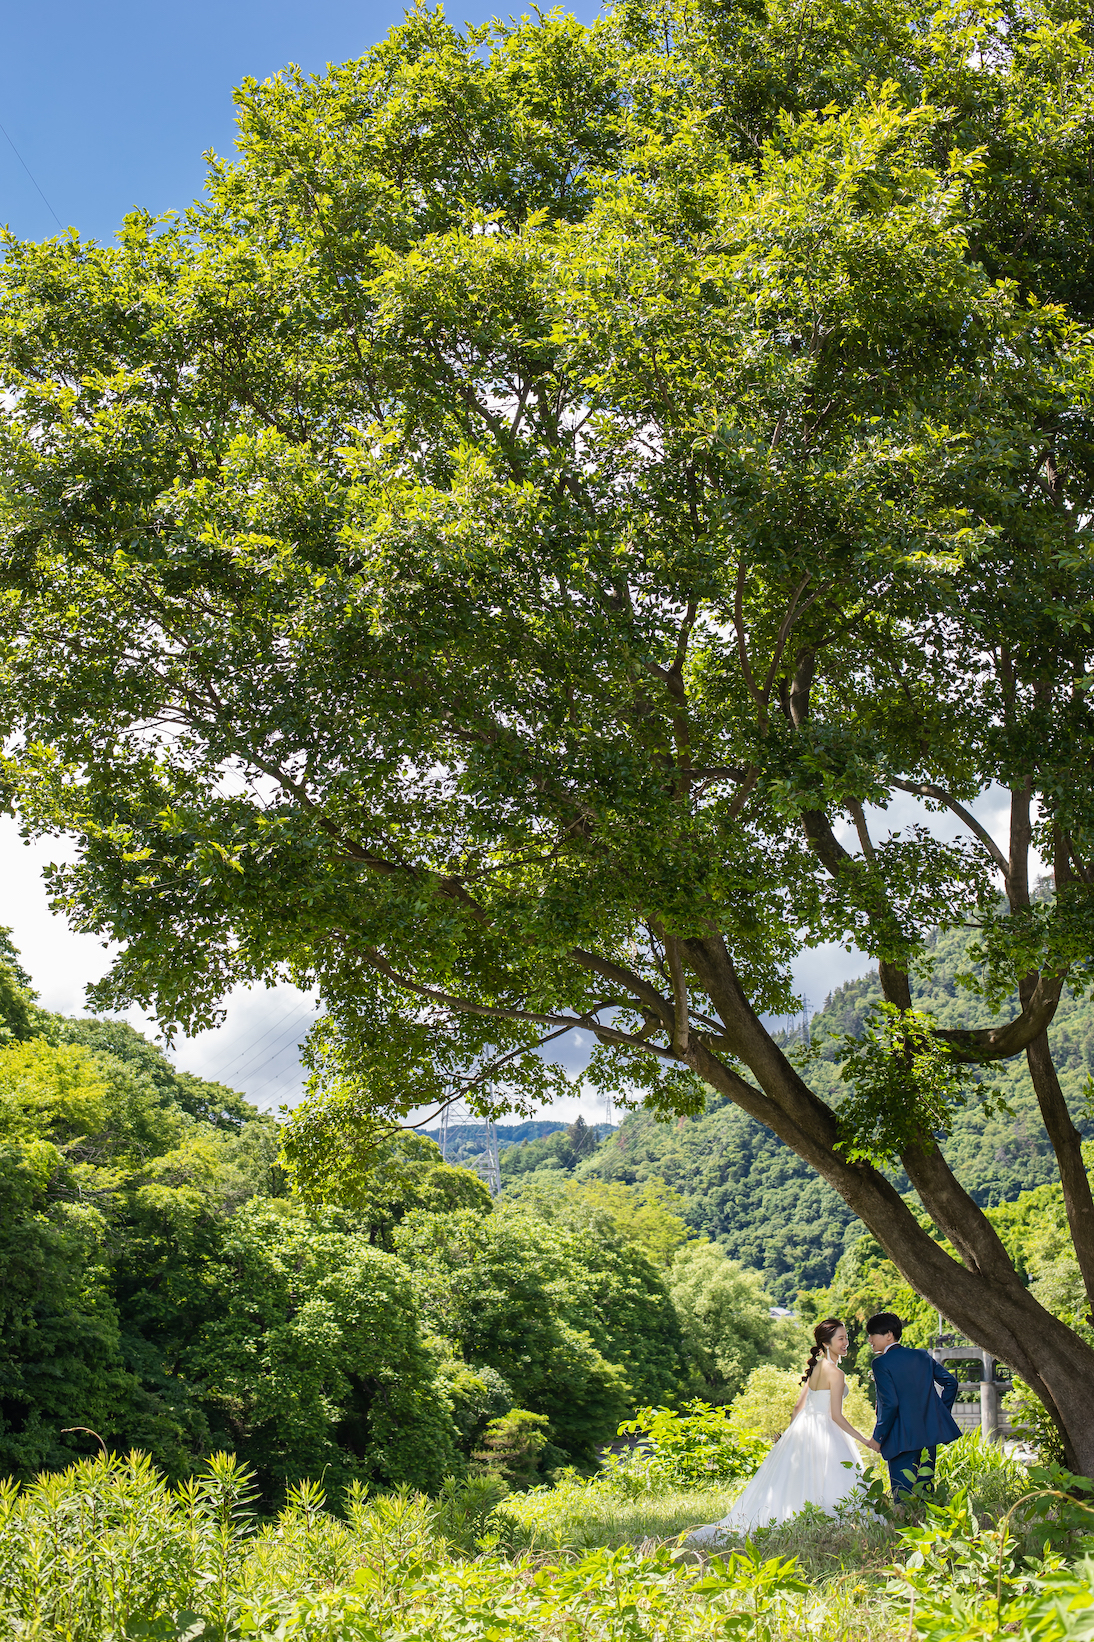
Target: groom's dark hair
{"points": [[886, 1322]]}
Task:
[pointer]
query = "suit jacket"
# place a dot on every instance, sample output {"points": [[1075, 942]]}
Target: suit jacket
{"points": [[910, 1413]]}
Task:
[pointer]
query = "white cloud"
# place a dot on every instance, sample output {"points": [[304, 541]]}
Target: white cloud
{"points": [[254, 1051]]}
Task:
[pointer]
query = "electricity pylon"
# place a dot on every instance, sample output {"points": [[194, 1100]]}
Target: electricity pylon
{"points": [[457, 1116]]}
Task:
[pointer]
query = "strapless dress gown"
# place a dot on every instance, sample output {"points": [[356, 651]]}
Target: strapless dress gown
{"points": [[814, 1462]]}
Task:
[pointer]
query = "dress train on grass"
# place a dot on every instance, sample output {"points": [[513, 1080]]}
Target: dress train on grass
{"points": [[814, 1462]]}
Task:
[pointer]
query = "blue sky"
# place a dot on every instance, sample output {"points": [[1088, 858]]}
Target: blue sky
{"points": [[111, 107]]}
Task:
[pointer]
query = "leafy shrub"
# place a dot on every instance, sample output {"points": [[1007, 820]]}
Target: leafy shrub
{"points": [[1061, 1607], [1033, 1423], [689, 1450], [104, 1547], [512, 1446], [985, 1471], [956, 1575], [466, 1510]]}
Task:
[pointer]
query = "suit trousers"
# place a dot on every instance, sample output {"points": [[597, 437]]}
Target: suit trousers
{"points": [[904, 1470]]}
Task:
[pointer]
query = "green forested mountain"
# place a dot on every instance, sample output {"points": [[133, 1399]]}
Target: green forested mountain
{"points": [[741, 1187], [533, 1141], [995, 1156], [564, 1148], [744, 1188]]}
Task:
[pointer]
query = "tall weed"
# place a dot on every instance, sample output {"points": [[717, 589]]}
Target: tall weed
{"points": [[105, 1546], [108, 1552]]}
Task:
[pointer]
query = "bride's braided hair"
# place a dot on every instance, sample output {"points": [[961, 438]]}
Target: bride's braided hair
{"points": [[822, 1334]]}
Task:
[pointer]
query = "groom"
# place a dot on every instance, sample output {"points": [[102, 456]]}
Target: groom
{"points": [[911, 1416]]}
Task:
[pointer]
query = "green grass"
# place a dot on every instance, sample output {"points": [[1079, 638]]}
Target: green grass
{"points": [[842, 1563], [577, 1514], [108, 1552]]}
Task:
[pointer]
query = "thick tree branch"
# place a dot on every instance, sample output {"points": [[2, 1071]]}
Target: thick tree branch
{"points": [[680, 1032], [866, 843], [1000, 1042], [471, 1006], [972, 1044]]}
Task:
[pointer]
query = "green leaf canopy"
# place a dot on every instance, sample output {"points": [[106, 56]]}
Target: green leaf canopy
{"points": [[483, 559]]}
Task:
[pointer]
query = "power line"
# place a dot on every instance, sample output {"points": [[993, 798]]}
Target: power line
{"points": [[290, 1035], [274, 1078], [33, 179], [275, 1083], [249, 1049], [291, 1040]]}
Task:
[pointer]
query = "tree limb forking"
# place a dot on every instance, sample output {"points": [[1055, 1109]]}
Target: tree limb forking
{"points": [[471, 1006], [866, 843], [988, 1043], [971, 1044]]}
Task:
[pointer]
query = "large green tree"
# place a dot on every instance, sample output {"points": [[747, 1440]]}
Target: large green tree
{"points": [[575, 1318], [487, 558]]}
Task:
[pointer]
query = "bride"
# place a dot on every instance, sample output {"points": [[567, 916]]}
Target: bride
{"points": [[814, 1462]]}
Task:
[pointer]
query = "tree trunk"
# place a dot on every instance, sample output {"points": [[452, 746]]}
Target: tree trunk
{"points": [[984, 1297], [1065, 1137], [1067, 1143]]}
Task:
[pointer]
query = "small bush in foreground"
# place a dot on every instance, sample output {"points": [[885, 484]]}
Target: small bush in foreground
{"points": [[984, 1471]]}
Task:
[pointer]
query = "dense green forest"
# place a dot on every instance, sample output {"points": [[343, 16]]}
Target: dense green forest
{"points": [[467, 1141], [532, 1142], [164, 1287]]}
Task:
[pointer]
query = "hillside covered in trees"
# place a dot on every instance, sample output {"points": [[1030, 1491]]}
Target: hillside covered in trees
{"points": [[538, 1137]]}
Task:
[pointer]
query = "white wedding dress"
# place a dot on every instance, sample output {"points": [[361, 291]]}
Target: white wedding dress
{"points": [[814, 1462]]}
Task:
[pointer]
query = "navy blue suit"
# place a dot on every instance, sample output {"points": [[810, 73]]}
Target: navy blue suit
{"points": [[911, 1416]]}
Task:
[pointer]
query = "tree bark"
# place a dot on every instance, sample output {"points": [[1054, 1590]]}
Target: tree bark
{"points": [[1066, 1140], [1067, 1143]]}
